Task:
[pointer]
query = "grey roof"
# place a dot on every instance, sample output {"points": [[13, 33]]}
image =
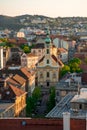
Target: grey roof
{"points": [[61, 107], [39, 45], [15, 49], [4, 106], [64, 106]]}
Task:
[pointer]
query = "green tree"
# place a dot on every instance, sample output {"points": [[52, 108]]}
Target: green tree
{"points": [[74, 65], [32, 101], [36, 93], [75, 60], [26, 49], [64, 70], [51, 101]]}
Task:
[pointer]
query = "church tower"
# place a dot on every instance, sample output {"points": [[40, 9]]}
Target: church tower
{"points": [[49, 65]]}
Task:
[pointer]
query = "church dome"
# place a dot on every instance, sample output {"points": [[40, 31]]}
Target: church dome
{"points": [[47, 40]]}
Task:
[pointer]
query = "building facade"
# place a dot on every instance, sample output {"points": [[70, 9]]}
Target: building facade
{"points": [[29, 60], [48, 66]]}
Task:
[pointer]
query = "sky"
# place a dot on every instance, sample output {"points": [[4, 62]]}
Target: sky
{"points": [[51, 8]]}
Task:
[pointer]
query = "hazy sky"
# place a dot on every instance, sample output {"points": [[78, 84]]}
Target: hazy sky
{"points": [[51, 8]]}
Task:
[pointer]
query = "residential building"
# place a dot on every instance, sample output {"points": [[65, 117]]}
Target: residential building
{"points": [[12, 102], [69, 84], [75, 104], [63, 55], [29, 60], [21, 74], [39, 50]]}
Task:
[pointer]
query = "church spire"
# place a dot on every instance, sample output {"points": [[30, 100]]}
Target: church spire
{"points": [[48, 40]]}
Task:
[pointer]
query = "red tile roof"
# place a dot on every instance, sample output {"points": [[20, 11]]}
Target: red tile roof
{"points": [[19, 79], [26, 72], [10, 80], [61, 50], [41, 59], [16, 91], [57, 60]]}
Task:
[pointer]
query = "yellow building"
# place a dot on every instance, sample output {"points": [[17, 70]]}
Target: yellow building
{"points": [[48, 66], [16, 102]]}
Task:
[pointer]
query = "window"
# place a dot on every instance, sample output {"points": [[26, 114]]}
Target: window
{"points": [[48, 74], [39, 50], [80, 106], [48, 84], [47, 51], [47, 61]]}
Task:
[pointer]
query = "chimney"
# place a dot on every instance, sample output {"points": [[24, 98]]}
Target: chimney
{"points": [[66, 121]]}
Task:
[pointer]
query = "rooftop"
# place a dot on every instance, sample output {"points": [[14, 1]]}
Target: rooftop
{"points": [[19, 79], [64, 106], [39, 46], [4, 106]]}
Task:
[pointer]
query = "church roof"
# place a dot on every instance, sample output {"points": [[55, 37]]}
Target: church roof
{"points": [[41, 59], [54, 58], [57, 60]]}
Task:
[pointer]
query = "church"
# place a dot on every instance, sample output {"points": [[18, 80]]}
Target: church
{"points": [[49, 65]]}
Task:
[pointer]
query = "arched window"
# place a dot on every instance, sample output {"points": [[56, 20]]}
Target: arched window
{"points": [[48, 75], [47, 61], [47, 51]]}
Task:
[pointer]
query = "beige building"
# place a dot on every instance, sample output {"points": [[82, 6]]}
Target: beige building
{"points": [[29, 60], [48, 66], [39, 50]]}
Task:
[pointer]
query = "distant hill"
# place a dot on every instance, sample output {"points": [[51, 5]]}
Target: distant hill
{"points": [[18, 22]]}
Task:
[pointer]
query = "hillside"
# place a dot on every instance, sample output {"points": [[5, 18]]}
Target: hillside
{"points": [[18, 22]]}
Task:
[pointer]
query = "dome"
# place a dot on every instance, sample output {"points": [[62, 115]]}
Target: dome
{"points": [[47, 40]]}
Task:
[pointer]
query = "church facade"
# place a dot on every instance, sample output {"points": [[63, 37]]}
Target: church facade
{"points": [[48, 66]]}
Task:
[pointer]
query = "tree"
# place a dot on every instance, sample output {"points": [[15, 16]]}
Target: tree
{"points": [[51, 101], [32, 101], [74, 65], [26, 49], [75, 60], [36, 93], [64, 70]]}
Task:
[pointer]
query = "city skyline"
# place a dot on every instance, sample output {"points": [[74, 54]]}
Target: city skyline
{"points": [[53, 8]]}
